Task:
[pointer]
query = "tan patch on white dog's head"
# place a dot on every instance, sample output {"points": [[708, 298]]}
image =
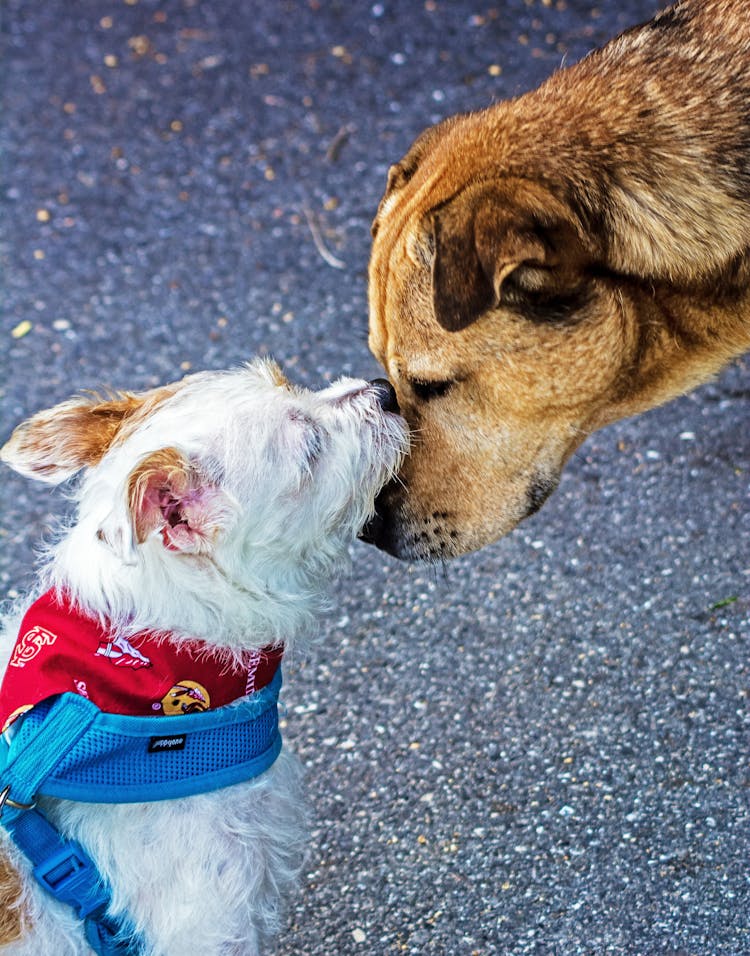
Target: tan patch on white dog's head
{"points": [[56, 443], [275, 375]]}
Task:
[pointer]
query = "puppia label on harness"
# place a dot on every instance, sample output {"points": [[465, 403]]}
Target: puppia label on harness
{"points": [[162, 744]]}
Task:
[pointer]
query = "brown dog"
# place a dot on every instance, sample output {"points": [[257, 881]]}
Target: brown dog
{"points": [[559, 261]]}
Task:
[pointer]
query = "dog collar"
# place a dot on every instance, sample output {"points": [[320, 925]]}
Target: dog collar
{"points": [[61, 650]]}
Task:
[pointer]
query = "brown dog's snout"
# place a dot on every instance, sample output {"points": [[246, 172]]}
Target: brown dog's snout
{"points": [[379, 530], [376, 530], [370, 534], [386, 395], [399, 530]]}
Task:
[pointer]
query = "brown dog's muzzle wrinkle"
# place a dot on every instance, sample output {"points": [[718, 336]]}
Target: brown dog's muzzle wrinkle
{"points": [[378, 530], [538, 492]]}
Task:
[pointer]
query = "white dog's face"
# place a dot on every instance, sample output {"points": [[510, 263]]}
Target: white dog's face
{"points": [[264, 481]]}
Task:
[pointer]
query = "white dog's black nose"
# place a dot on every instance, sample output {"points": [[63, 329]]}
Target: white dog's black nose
{"points": [[386, 395]]}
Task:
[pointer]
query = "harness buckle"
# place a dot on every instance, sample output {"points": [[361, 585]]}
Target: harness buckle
{"points": [[71, 877]]}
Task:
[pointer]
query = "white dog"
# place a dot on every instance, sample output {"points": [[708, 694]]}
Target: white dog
{"points": [[211, 515]]}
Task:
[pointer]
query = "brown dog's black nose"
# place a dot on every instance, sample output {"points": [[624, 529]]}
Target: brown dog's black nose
{"points": [[386, 395]]}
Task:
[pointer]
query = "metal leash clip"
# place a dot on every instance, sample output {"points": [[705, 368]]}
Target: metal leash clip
{"points": [[5, 798]]}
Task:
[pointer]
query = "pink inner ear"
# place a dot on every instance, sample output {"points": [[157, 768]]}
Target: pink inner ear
{"points": [[153, 503], [168, 495], [189, 523], [170, 518]]}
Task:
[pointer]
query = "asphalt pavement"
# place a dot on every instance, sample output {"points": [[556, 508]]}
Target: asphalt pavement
{"points": [[538, 749]]}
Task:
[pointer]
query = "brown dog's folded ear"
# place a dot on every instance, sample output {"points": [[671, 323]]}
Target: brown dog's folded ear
{"points": [[481, 238], [476, 249], [461, 287]]}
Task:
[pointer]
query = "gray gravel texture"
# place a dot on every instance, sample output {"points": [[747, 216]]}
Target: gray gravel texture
{"points": [[538, 749]]}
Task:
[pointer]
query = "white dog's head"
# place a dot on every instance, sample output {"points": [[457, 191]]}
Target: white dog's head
{"points": [[218, 506]]}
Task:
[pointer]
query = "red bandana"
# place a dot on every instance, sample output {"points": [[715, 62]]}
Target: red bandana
{"points": [[59, 649]]}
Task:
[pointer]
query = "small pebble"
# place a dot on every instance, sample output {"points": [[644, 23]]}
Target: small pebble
{"points": [[23, 328]]}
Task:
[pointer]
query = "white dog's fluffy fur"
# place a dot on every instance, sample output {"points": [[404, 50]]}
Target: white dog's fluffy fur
{"points": [[274, 482]]}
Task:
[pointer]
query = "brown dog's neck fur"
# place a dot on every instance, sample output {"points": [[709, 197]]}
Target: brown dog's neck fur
{"points": [[682, 341], [650, 145]]}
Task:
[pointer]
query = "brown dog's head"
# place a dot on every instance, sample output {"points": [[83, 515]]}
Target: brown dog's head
{"points": [[521, 296], [485, 316]]}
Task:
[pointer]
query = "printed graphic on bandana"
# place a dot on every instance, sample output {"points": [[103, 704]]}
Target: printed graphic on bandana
{"points": [[122, 654], [187, 697], [81, 688], [16, 713], [253, 664], [30, 645], [60, 649]]}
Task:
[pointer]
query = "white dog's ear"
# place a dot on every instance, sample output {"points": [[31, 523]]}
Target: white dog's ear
{"points": [[170, 494], [54, 444]]}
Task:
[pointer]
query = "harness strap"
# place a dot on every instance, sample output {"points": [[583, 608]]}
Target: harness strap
{"points": [[61, 866], [68, 720], [64, 869]]}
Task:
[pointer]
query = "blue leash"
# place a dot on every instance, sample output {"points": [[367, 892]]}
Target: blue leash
{"points": [[65, 870], [61, 866], [66, 747]]}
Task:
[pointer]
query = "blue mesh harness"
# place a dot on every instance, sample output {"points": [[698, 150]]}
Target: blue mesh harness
{"points": [[66, 747]]}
